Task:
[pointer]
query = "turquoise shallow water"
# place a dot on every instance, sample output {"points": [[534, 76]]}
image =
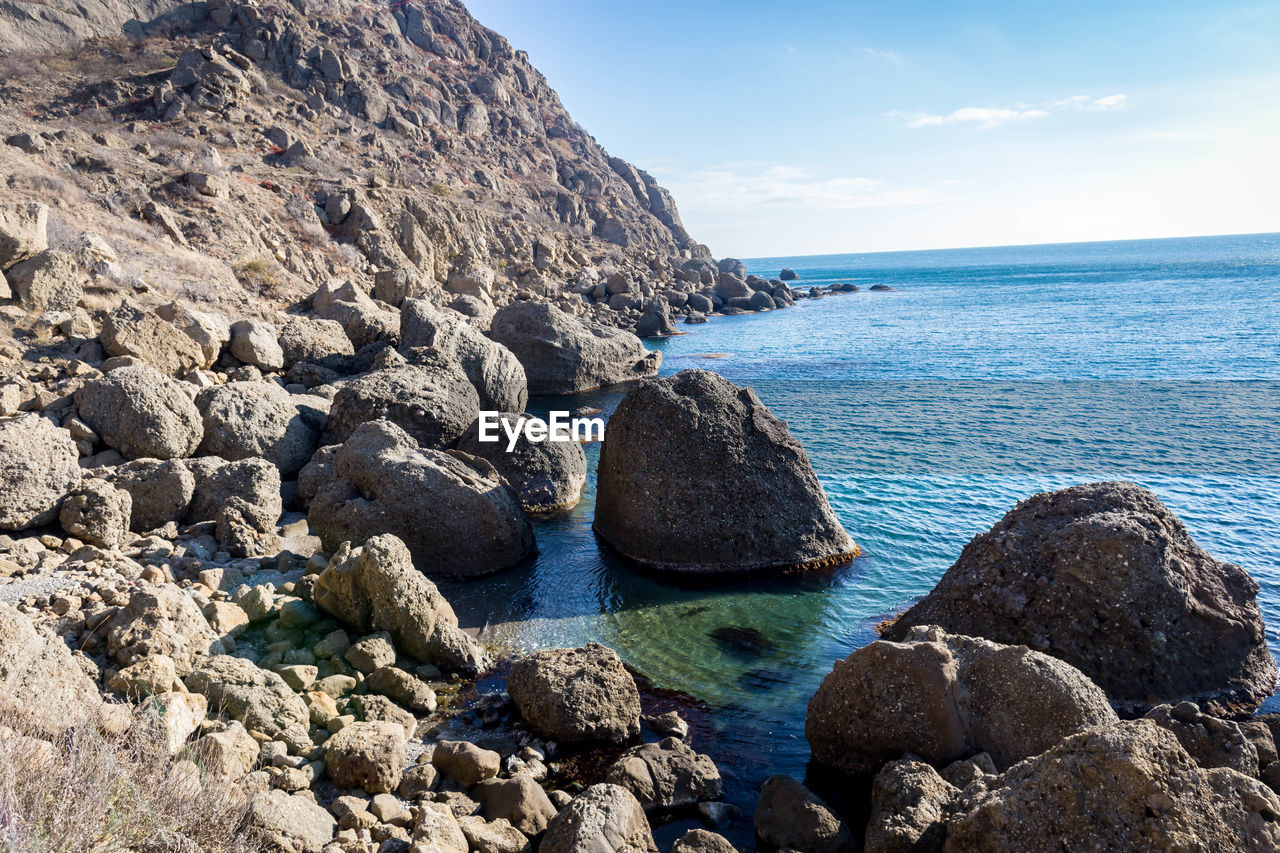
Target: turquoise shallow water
{"points": [[986, 375]]}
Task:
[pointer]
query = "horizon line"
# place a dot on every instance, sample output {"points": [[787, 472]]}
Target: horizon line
{"points": [[1014, 245]]}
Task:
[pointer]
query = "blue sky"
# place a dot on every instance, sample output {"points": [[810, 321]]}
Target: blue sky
{"points": [[816, 127]]}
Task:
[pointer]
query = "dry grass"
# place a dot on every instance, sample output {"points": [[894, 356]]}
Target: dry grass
{"points": [[97, 793]]}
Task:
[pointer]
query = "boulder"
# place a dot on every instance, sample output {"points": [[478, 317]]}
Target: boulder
{"points": [[159, 491], [376, 588], [1210, 741], [547, 475], [497, 836], [229, 752], [434, 404], [405, 688], [694, 438], [217, 481], [243, 529], [761, 301], [789, 817], [254, 342], [97, 513], [259, 419], [211, 332], [519, 800], [368, 755], [563, 355], [730, 286], [51, 281], [910, 804], [162, 620], [141, 413], [383, 482], [471, 280], [492, 369], [24, 232], [38, 466], [602, 819], [315, 341], [945, 697], [732, 265], [42, 688], [788, 274], [666, 775], [436, 830], [702, 841], [1105, 577], [465, 762], [289, 822], [365, 321], [582, 695], [655, 322], [260, 699], [130, 330], [1129, 783]]}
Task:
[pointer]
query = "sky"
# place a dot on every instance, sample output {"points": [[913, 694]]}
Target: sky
{"points": [[829, 127]]}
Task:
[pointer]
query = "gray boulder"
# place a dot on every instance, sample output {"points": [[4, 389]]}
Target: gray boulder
{"points": [[602, 819], [159, 491], [51, 281], [254, 342], [259, 419], [563, 355], [130, 330], [289, 822], [365, 321], [42, 688], [141, 413], [239, 689], [162, 620], [693, 439], [383, 482], [39, 467], [217, 481], [789, 817], [547, 475], [666, 775], [492, 369], [368, 755], [519, 800], [315, 341], [24, 232], [655, 322], [944, 697], [211, 332], [375, 587], [1105, 577], [582, 695], [433, 404], [97, 513]]}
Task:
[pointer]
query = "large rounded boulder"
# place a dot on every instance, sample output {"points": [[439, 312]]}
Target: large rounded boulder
{"points": [[493, 369], [697, 475], [1105, 577], [580, 695], [563, 355], [455, 512], [433, 403], [944, 697], [548, 475], [142, 413], [243, 420], [39, 467]]}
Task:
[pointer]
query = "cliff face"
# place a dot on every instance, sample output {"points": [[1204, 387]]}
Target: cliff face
{"points": [[235, 153]]}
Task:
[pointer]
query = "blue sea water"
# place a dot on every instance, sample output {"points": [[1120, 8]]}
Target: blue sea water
{"points": [[928, 411]]}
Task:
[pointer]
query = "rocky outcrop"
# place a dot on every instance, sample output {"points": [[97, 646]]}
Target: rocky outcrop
{"points": [[563, 355], [580, 695], [42, 688], [944, 697], [39, 468], [493, 370], [142, 413], [383, 482], [242, 420], [603, 819], [434, 404], [1105, 577], [693, 438], [376, 588], [1129, 783], [547, 475]]}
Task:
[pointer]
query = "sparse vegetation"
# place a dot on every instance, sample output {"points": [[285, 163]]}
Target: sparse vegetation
{"points": [[257, 276]]}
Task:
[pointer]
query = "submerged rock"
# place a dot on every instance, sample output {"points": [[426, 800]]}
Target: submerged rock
{"points": [[697, 475], [563, 355], [1105, 577], [944, 697], [454, 511], [580, 695]]}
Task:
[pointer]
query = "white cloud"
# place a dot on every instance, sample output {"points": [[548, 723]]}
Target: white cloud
{"points": [[891, 56], [985, 118], [735, 187]]}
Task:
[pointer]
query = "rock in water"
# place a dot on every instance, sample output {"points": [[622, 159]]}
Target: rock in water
{"points": [[376, 588], [1105, 577], [666, 775], [454, 511], [548, 475], [790, 817], [944, 697], [696, 475], [655, 322], [563, 355], [39, 468], [580, 695], [1129, 783]]}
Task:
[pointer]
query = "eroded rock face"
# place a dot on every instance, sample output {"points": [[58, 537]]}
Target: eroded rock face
{"points": [[376, 588], [247, 419], [695, 439], [547, 475], [944, 697], [496, 373], [38, 466], [603, 819], [433, 404], [142, 413], [41, 685], [1105, 577], [562, 355], [1130, 783], [580, 695], [383, 482]]}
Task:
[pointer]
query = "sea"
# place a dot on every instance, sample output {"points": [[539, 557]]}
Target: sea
{"points": [[928, 411]]}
